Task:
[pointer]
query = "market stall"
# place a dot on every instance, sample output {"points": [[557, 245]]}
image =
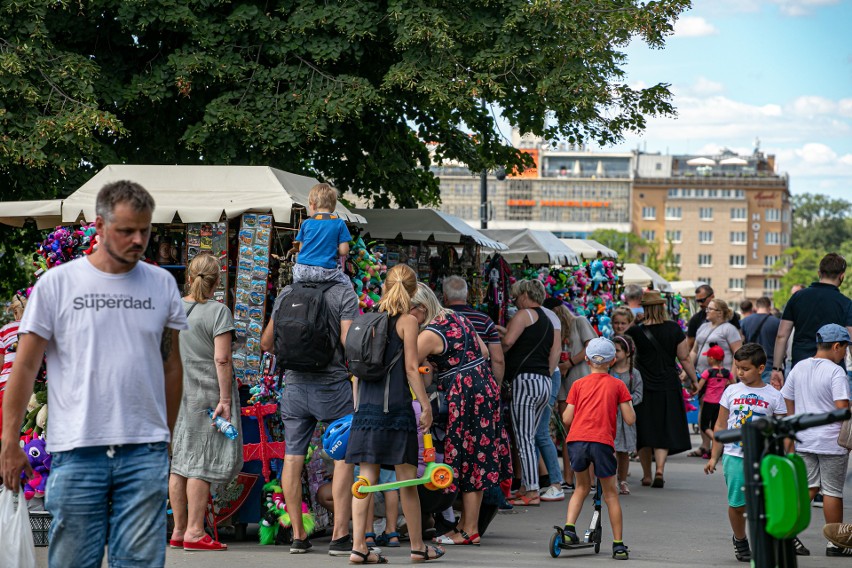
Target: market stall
{"points": [[590, 249], [529, 247], [645, 277], [433, 243], [246, 216]]}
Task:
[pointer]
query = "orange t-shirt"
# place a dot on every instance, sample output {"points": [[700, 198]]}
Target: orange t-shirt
{"points": [[595, 399]]}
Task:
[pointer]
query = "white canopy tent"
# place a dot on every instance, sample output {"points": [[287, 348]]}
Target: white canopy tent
{"points": [[686, 288], [589, 248], [202, 193], [422, 225], [537, 247], [646, 277], [46, 214], [701, 162]]}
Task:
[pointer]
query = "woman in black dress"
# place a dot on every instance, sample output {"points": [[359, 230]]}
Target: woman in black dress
{"points": [[389, 437], [661, 418]]}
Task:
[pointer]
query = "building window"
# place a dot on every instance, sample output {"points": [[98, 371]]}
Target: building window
{"points": [[773, 215], [739, 194], [738, 261], [770, 260], [677, 259], [736, 283], [771, 284], [773, 238], [708, 281], [785, 215], [649, 213], [739, 214], [705, 260], [673, 236], [649, 235], [674, 213], [705, 237], [705, 213], [643, 258], [738, 237], [785, 239]]}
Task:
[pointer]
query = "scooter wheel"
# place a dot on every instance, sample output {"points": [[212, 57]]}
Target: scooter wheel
{"points": [[597, 548], [555, 541], [442, 477], [362, 482], [430, 486]]}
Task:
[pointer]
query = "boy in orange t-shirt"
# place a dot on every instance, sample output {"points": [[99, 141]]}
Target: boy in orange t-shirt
{"points": [[593, 402]]}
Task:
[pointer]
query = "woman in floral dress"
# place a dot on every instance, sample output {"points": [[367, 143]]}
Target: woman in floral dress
{"points": [[476, 446]]}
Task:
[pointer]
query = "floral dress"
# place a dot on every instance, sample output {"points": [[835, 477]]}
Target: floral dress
{"points": [[476, 447]]}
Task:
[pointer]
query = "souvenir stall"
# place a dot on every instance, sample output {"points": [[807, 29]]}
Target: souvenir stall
{"points": [[434, 244], [246, 216]]}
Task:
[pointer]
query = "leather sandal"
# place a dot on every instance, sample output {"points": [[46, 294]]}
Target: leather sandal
{"points": [[365, 557], [204, 543], [424, 554]]}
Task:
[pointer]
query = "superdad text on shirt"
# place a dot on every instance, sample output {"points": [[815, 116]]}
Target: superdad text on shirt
{"points": [[751, 401], [109, 302]]}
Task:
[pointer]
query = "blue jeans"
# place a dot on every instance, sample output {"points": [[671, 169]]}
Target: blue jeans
{"points": [[117, 493], [543, 441]]}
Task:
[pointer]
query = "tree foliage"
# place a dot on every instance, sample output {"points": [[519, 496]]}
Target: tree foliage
{"points": [[351, 92], [800, 266], [629, 246], [821, 222]]}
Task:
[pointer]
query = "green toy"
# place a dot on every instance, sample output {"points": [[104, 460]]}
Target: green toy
{"points": [[435, 476]]}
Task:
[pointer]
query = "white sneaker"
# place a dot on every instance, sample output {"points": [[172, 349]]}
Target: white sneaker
{"points": [[553, 493]]}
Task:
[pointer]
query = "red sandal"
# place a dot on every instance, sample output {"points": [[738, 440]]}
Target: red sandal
{"points": [[524, 501], [206, 543]]}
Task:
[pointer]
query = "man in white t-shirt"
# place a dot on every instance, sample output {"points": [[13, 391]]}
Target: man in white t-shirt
{"points": [[109, 324], [818, 385]]}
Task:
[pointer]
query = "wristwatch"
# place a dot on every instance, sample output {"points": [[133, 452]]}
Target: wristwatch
{"points": [[779, 369]]}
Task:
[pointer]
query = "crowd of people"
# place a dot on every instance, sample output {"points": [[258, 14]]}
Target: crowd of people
{"points": [[486, 393]]}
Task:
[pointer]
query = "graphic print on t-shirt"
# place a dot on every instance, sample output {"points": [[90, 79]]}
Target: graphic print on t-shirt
{"points": [[101, 301]]}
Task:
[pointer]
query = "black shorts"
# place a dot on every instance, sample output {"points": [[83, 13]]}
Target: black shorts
{"points": [[583, 454], [709, 414]]}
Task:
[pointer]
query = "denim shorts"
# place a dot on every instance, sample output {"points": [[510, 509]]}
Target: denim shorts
{"points": [[108, 495], [584, 454]]}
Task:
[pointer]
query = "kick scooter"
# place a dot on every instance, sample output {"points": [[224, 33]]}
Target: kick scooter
{"points": [[776, 485], [435, 476], [592, 538]]}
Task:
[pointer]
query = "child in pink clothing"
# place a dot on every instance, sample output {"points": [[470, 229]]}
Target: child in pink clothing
{"points": [[717, 379]]}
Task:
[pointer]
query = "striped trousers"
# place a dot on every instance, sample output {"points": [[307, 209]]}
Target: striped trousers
{"points": [[530, 395]]}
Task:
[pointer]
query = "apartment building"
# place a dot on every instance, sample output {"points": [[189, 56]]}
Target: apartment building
{"points": [[727, 217]]}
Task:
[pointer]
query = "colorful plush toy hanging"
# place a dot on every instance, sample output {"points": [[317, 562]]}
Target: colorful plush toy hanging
{"points": [[36, 450], [276, 517]]}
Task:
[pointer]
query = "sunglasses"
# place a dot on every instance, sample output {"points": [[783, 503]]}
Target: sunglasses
{"points": [[702, 300]]}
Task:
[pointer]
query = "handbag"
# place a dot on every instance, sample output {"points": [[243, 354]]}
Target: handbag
{"points": [[506, 387], [844, 439], [16, 536]]}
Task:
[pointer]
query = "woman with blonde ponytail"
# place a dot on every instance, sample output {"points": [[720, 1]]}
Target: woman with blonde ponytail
{"points": [[384, 430], [201, 455]]}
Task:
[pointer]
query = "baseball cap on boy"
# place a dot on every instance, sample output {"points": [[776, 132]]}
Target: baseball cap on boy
{"points": [[715, 352], [600, 350], [832, 333]]}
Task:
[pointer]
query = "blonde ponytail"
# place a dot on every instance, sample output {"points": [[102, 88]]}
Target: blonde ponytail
{"points": [[203, 274], [400, 285]]}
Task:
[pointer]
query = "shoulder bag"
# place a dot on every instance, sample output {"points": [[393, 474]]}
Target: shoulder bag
{"points": [[844, 439]]}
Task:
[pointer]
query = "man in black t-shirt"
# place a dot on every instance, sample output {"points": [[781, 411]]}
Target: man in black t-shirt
{"points": [[819, 304], [703, 295]]}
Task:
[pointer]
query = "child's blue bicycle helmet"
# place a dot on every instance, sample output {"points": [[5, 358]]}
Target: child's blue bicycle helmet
{"points": [[336, 437]]}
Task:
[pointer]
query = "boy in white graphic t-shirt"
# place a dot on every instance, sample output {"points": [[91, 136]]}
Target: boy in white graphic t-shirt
{"points": [[741, 403], [819, 384]]}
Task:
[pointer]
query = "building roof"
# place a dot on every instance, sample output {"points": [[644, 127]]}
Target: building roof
{"points": [[422, 225]]}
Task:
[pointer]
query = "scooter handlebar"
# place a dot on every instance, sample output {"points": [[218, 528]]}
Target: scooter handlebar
{"points": [[791, 424]]}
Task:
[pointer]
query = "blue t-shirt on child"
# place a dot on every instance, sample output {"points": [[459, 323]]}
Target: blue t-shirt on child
{"points": [[320, 236]]}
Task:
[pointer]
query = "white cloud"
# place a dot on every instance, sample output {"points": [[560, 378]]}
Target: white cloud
{"points": [[702, 87], [816, 153], [693, 26], [813, 105], [798, 8]]}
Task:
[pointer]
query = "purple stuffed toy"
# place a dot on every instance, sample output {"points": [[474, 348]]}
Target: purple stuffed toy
{"points": [[36, 450]]}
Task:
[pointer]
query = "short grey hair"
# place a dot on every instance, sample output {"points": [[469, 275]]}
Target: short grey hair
{"points": [[633, 293], [534, 290], [455, 289], [123, 191]]}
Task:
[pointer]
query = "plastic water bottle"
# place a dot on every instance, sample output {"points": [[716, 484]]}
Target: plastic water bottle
{"points": [[225, 427]]}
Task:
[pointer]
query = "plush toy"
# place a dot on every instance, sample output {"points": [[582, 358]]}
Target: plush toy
{"points": [[36, 450], [605, 326], [276, 516], [598, 274]]}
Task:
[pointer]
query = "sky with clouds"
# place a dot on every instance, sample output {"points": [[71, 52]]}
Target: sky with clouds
{"points": [[775, 70]]}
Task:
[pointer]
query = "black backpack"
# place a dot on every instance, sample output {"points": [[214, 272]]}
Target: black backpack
{"points": [[365, 347], [302, 335]]}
